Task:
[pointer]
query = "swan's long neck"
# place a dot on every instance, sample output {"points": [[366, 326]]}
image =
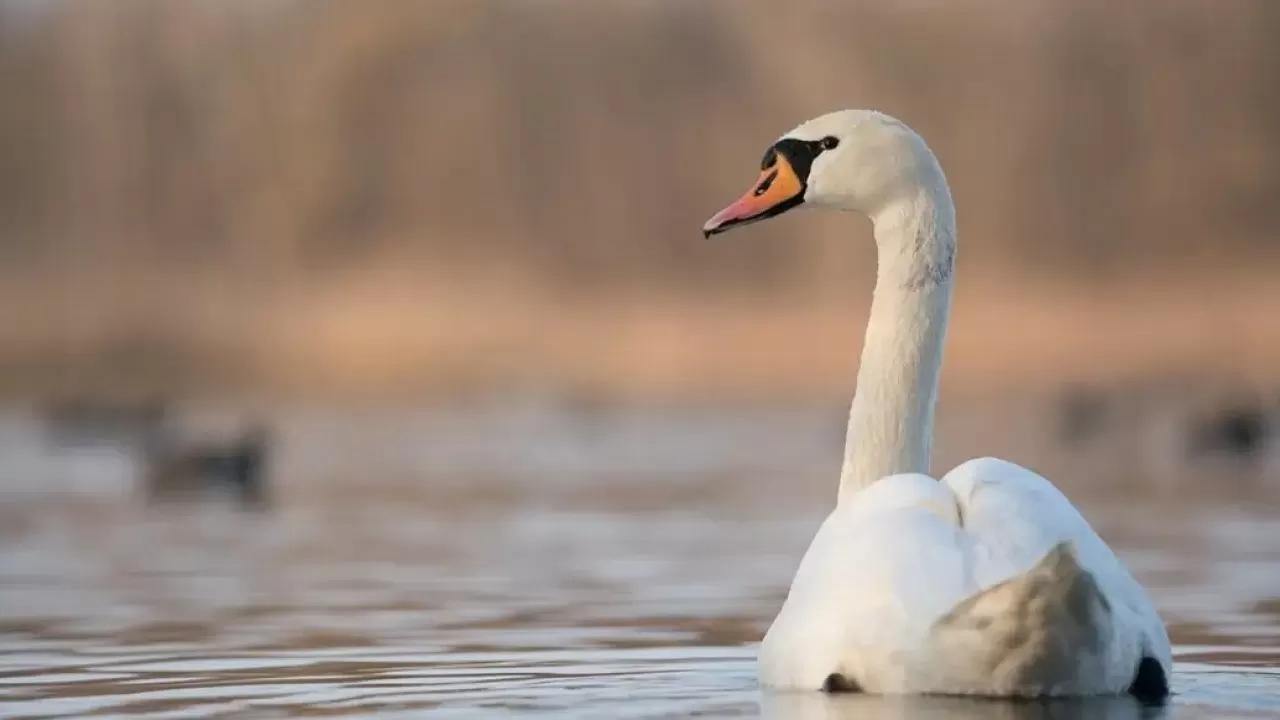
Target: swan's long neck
{"points": [[891, 419]]}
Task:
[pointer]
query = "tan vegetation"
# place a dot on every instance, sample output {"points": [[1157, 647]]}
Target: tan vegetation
{"points": [[390, 198]]}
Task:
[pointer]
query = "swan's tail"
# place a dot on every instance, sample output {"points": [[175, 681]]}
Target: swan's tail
{"points": [[1034, 634]]}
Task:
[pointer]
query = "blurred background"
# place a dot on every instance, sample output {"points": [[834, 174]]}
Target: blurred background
{"points": [[400, 200], [448, 253]]}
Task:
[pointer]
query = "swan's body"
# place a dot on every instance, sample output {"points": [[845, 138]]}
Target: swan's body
{"points": [[988, 582]]}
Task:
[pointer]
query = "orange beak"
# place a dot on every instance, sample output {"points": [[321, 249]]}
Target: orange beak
{"points": [[778, 190]]}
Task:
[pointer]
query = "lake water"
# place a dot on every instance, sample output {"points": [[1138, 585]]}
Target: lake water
{"points": [[524, 564]]}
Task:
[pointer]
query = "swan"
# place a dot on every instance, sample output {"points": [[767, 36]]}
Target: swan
{"points": [[987, 582]]}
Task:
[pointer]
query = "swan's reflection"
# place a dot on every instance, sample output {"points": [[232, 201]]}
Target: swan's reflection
{"points": [[819, 706]]}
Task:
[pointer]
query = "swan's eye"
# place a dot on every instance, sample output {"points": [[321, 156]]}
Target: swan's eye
{"points": [[830, 142]]}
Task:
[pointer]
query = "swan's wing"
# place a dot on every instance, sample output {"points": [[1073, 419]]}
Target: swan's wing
{"points": [[1018, 514], [1018, 517], [1021, 516]]}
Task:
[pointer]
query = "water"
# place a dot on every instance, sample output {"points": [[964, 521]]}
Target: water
{"points": [[521, 564]]}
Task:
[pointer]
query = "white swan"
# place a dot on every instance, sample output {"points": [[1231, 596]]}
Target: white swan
{"points": [[988, 582]]}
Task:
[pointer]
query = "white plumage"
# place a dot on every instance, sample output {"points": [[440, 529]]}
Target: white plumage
{"points": [[987, 582]]}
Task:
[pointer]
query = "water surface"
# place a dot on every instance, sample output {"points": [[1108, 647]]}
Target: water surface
{"points": [[521, 564]]}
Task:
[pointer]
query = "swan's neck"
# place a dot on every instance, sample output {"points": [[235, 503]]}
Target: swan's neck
{"points": [[891, 420]]}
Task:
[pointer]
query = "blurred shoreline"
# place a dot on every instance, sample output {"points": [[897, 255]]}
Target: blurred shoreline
{"points": [[394, 340]]}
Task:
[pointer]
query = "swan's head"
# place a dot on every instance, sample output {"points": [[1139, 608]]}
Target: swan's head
{"points": [[859, 160]]}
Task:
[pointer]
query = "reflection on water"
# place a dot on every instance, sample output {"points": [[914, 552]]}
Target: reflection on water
{"points": [[613, 569]]}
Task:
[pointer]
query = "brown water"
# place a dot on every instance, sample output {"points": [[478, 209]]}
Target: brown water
{"points": [[521, 564]]}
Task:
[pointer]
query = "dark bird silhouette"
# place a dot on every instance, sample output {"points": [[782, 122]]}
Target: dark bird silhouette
{"points": [[1240, 428], [177, 468]]}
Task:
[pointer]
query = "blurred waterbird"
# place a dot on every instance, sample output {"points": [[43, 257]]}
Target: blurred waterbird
{"points": [[175, 467], [988, 582], [1167, 423], [1240, 428]]}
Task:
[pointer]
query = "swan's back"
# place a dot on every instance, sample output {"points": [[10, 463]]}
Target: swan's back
{"points": [[988, 583]]}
